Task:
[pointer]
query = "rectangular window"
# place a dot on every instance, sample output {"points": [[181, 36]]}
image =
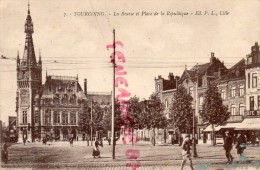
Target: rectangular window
{"points": [[56, 117], [254, 80], [258, 102], [201, 99], [251, 100], [64, 118], [223, 94], [233, 109], [47, 117], [37, 118], [191, 91], [24, 117], [241, 90], [233, 91], [248, 78], [73, 118]]}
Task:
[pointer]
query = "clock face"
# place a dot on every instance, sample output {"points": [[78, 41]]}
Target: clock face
{"points": [[24, 92]]}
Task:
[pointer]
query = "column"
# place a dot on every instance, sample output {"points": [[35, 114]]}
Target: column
{"points": [[41, 117], [52, 116], [61, 134], [61, 117], [69, 118], [77, 113]]}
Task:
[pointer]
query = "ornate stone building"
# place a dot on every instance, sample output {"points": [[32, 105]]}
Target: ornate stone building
{"points": [[52, 109]]}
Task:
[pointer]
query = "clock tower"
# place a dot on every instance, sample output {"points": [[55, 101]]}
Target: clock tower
{"points": [[29, 86]]}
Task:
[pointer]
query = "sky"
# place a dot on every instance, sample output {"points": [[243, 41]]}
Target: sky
{"points": [[153, 45]]}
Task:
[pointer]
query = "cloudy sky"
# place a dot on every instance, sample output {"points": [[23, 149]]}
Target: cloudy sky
{"points": [[154, 45]]}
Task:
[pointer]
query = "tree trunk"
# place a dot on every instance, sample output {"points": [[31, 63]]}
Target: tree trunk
{"points": [[213, 135], [153, 136], [132, 136]]}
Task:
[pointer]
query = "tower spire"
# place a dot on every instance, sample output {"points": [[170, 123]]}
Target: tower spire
{"points": [[28, 8], [29, 54]]}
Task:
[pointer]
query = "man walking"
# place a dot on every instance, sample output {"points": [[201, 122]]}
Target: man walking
{"points": [[186, 155], [228, 146]]}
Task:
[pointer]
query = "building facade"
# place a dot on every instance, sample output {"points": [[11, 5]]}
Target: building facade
{"points": [[239, 87], [196, 81], [53, 109]]}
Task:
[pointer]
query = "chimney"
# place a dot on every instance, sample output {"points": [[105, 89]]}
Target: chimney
{"points": [[85, 86], [212, 58], [170, 76]]}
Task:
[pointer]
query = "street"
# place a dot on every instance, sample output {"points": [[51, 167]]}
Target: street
{"points": [[61, 155]]}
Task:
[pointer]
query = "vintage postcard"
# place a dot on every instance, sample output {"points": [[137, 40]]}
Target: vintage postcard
{"points": [[147, 84]]}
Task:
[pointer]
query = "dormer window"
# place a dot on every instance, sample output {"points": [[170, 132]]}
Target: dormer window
{"points": [[158, 87]]}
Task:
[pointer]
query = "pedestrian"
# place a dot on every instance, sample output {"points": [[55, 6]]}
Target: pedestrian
{"points": [[241, 146], [24, 141], [4, 152], [228, 141], [71, 141], [96, 150], [109, 140], [186, 154]]}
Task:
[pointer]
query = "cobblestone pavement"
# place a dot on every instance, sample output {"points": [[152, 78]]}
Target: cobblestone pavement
{"points": [[59, 155]]}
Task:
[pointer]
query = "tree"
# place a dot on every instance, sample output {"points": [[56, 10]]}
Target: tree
{"points": [[213, 110], [97, 117], [152, 116], [84, 118], [134, 119], [107, 119], [181, 112]]}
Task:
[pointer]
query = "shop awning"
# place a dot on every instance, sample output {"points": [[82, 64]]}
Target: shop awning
{"points": [[249, 124], [231, 125], [226, 126], [209, 128]]}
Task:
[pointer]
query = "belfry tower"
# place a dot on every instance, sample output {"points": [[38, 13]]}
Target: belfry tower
{"points": [[29, 85]]}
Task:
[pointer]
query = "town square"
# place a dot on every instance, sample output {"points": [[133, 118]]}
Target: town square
{"points": [[130, 85]]}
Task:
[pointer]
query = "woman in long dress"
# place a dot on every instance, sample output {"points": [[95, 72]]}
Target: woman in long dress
{"points": [[241, 146], [96, 150]]}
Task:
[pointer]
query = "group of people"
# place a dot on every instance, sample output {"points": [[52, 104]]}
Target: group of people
{"points": [[240, 145]]}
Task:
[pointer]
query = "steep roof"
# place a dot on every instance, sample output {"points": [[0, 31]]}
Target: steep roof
{"points": [[235, 72], [64, 85]]}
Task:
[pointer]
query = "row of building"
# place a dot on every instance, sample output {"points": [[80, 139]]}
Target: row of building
{"points": [[56, 107], [239, 87]]}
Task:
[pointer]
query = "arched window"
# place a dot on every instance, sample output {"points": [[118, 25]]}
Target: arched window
{"points": [[241, 109]]}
